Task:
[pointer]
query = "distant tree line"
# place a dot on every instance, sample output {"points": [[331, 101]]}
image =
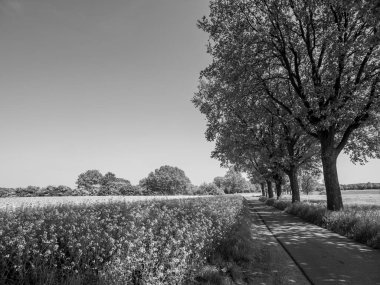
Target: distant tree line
{"points": [[360, 186], [166, 180]]}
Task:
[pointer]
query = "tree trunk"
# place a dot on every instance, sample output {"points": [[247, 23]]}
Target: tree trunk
{"points": [[292, 173], [262, 184], [330, 174], [270, 190], [278, 182]]}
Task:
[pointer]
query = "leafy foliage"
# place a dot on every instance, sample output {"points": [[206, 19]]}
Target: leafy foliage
{"points": [[208, 189], [88, 179], [309, 181], [234, 182], [108, 178], [167, 180]]}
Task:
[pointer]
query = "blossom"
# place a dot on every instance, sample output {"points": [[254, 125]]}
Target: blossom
{"points": [[162, 241]]}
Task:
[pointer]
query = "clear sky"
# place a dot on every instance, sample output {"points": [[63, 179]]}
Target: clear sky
{"points": [[95, 84]]}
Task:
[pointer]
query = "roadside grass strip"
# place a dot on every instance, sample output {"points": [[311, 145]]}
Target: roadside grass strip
{"points": [[358, 222], [149, 242]]}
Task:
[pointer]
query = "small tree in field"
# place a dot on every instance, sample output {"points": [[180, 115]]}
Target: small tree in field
{"points": [[167, 180], [89, 179], [234, 182], [218, 181], [309, 181]]}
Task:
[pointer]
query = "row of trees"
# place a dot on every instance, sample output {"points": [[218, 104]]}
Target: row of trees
{"points": [[94, 183], [292, 84], [360, 186], [34, 191], [166, 180]]}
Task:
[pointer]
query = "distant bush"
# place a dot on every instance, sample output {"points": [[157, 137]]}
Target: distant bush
{"points": [[234, 182], [34, 191], [60, 190], [116, 188], [7, 192], [208, 189], [361, 223], [29, 191]]}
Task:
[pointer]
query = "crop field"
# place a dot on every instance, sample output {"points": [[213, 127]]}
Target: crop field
{"points": [[144, 242], [350, 197], [16, 202]]}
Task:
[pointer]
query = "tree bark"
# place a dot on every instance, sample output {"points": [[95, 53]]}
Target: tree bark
{"points": [[278, 189], [262, 184], [278, 182], [330, 174], [293, 179], [270, 190]]}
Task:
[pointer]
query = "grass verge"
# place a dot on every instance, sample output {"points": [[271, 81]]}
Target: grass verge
{"points": [[358, 222]]}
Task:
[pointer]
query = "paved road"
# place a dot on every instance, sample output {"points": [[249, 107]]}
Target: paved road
{"points": [[323, 256]]}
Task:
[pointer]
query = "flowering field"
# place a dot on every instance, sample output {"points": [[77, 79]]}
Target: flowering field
{"points": [[15, 202], [146, 242]]}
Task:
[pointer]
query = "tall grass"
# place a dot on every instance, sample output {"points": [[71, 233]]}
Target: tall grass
{"points": [[154, 242], [358, 222]]}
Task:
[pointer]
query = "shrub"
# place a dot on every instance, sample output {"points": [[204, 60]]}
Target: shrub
{"points": [[281, 204], [7, 192], [117, 188], [208, 189], [312, 213], [60, 190], [29, 191], [270, 202], [263, 199]]}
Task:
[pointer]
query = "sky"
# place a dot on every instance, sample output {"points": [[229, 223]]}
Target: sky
{"points": [[95, 84]]}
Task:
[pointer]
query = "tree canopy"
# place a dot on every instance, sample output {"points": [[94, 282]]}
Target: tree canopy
{"points": [[167, 180], [88, 179]]}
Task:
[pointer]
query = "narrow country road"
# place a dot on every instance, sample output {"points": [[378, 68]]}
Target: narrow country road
{"points": [[323, 256]]}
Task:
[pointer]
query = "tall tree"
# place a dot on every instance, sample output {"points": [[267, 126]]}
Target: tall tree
{"points": [[318, 60]]}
